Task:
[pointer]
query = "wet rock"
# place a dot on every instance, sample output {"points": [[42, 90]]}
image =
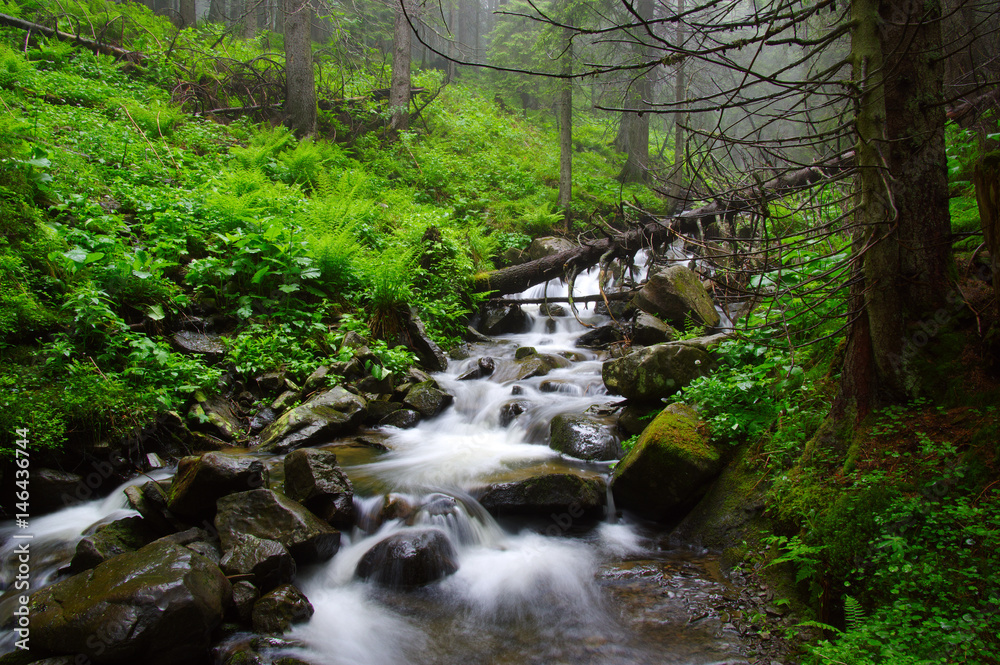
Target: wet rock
{"points": [[379, 409], [427, 400], [674, 294], [547, 246], [648, 330], [270, 383], [351, 370], [109, 540], [272, 516], [600, 337], [484, 367], [416, 339], [409, 559], [549, 309], [655, 372], [245, 594], [314, 479], [503, 320], [546, 494], [200, 481], [583, 437], [284, 400], [317, 421], [372, 385], [670, 467], [52, 490], [636, 417], [216, 417], [531, 366], [150, 501], [403, 419], [156, 606], [316, 380], [523, 352], [206, 344], [275, 612], [555, 386], [262, 419], [706, 342], [511, 410], [267, 561]]}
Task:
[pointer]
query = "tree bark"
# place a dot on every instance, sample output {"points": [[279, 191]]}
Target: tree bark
{"points": [[566, 130], [399, 92], [987, 180], [904, 239], [300, 82], [188, 15], [633, 136]]}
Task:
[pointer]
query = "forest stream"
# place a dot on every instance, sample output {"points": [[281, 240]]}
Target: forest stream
{"points": [[570, 588]]}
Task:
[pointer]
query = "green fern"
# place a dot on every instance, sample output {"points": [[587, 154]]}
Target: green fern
{"points": [[854, 614]]}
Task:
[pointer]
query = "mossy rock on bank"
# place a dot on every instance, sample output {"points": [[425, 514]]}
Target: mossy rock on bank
{"points": [[157, 606], [659, 371], [669, 468], [675, 294], [546, 494], [321, 419]]}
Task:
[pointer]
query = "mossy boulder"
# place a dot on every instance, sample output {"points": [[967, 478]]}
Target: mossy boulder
{"points": [[648, 330], [503, 320], [109, 540], [201, 481], [317, 421], [272, 516], [655, 372], [427, 399], [670, 467], [547, 246], [275, 612], [674, 294], [215, 416], [156, 606], [528, 366], [268, 563]]}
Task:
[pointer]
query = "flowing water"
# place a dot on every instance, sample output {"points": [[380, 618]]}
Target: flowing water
{"points": [[549, 591]]}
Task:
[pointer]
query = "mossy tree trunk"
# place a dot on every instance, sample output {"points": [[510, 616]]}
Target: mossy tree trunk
{"points": [[903, 242]]}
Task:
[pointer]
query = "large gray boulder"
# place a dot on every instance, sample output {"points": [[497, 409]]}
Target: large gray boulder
{"points": [[648, 330], [584, 437], [314, 479], [503, 320], [655, 372], [317, 421], [670, 467], [206, 344], [547, 246], [546, 495], [409, 559], [156, 606], [415, 337], [528, 366], [675, 293], [215, 416], [200, 481], [272, 516]]}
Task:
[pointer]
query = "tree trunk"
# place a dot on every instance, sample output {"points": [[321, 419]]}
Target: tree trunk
{"points": [[566, 130], [300, 82], [399, 92], [188, 15], [680, 93], [987, 179], [250, 13], [904, 239], [216, 13], [633, 137]]}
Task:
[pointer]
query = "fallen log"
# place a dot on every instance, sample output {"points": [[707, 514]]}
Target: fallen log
{"points": [[95, 46], [655, 231]]}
